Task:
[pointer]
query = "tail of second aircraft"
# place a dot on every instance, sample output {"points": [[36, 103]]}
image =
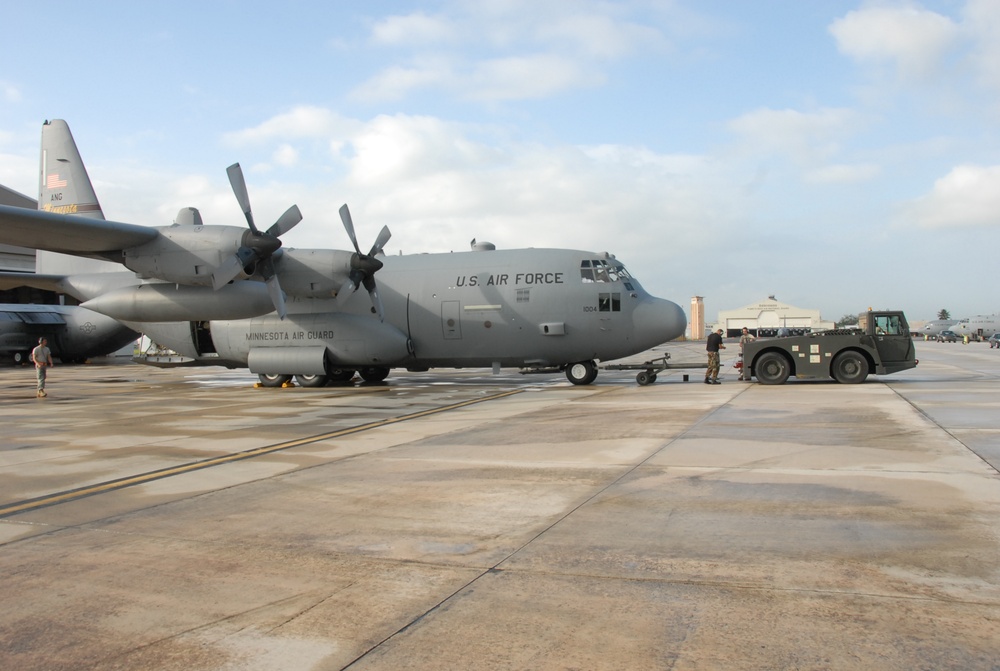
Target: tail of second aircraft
{"points": [[64, 187]]}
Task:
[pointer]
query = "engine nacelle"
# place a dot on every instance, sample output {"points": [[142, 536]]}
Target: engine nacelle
{"points": [[312, 273], [170, 302], [186, 254]]}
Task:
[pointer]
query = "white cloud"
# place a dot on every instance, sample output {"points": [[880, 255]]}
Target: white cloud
{"points": [[19, 172], [512, 50], [414, 29], [286, 155], [843, 174], [807, 137], [913, 40], [982, 21], [301, 122], [525, 77], [511, 78], [969, 195], [397, 81], [11, 93], [597, 35], [393, 148], [438, 184]]}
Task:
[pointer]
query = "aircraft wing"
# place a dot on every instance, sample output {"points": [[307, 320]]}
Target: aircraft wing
{"points": [[69, 234], [13, 280]]}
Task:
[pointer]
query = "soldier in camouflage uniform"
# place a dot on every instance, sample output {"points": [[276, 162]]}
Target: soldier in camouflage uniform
{"points": [[745, 337], [713, 347]]}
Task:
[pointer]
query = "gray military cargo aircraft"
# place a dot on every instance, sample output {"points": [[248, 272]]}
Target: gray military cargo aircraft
{"points": [[75, 334], [933, 328], [979, 327], [233, 296]]}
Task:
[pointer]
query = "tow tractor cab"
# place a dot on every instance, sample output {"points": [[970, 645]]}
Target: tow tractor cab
{"points": [[881, 345]]}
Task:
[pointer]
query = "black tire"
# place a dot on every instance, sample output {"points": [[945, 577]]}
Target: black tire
{"points": [[645, 377], [581, 372], [849, 367], [273, 379], [772, 368], [312, 380], [374, 373], [341, 375]]}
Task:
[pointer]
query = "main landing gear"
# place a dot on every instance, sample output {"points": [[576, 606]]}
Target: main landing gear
{"points": [[334, 376], [581, 372]]}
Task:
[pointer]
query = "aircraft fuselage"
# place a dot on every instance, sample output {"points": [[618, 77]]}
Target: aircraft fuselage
{"points": [[512, 308]]}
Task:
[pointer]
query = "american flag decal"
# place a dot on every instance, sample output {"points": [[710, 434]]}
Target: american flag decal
{"points": [[53, 182]]}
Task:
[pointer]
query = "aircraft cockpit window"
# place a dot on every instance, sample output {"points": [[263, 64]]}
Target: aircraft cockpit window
{"points": [[601, 270], [609, 302], [888, 325]]}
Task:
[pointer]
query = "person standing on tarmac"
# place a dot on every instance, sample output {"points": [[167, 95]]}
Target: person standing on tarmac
{"points": [[42, 357], [712, 347], [745, 337]]}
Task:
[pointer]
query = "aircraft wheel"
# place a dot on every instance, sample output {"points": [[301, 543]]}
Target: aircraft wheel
{"points": [[582, 372], [273, 379], [374, 373], [341, 375], [312, 380], [645, 377], [772, 368], [850, 368]]}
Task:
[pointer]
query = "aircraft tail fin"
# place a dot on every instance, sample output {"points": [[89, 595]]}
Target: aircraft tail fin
{"points": [[63, 183], [64, 187]]}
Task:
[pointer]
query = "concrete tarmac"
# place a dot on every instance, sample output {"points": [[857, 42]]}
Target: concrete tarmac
{"points": [[181, 519]]}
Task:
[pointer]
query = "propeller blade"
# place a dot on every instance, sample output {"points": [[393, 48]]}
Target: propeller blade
{"points": [[369, 283], [285, 222], [256, 246], [273, 287], [345, 216], [239, 185], [383, 237], [363, 267], [227, 272], [277, 296], [348, 288]]}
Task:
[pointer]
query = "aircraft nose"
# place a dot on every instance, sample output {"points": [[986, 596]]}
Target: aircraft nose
{"points": [[658, 321]]}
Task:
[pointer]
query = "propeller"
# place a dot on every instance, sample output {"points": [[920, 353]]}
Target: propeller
{"points": [[363, 266], [256, 247]]}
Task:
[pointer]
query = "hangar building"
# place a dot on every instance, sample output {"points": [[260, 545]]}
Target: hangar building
{"points": [[767, 316]]}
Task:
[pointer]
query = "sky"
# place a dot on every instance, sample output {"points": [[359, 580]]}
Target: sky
{"points": [[837, 155]]}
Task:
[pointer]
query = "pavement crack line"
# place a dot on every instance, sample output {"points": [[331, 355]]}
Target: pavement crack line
{"points": [[586, 500], [115, 484], [945, 429], [205, 626]]}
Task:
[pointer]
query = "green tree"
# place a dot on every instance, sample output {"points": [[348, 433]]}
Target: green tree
{"points": [[944, 314], [847, 320]]}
